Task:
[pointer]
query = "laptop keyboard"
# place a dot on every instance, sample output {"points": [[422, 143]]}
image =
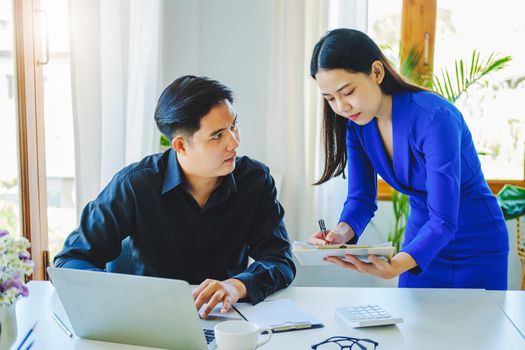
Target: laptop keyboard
{"points": [[209, 334]]}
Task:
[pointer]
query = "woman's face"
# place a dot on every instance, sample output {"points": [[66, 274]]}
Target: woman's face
{"points": [[356, 96]]}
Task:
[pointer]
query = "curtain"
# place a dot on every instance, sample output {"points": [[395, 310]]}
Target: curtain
{"points": [[285, 128], [115, 72], [330, 196], [293, 143]]}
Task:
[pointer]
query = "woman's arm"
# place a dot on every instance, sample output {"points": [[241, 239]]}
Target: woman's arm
{"points": [[378, 267], [360, 203]]}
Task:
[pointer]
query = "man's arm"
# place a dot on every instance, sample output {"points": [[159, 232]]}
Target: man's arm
{"points": [[103, 224], [269, 244], [273, 268]]}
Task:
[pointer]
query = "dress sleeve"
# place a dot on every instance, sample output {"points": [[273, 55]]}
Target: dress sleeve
{"points": [[361, 201], [439, 139]]}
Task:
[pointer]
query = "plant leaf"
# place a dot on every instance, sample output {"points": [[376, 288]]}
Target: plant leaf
{"points": [[477, 70]]}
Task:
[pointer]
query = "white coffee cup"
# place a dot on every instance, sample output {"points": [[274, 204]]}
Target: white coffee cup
{"points": [[240, 335]]}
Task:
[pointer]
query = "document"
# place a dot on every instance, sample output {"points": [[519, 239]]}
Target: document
{"points": [[280, 315], [308, 254]]}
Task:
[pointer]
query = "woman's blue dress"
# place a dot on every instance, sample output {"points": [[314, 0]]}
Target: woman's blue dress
{"points": [[455, 231]]}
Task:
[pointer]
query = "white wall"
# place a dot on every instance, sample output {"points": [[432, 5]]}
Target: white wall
{"points": [[229, 41], [514, 262]]}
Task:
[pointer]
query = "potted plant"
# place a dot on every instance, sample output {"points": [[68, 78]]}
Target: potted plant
{"points": [[401, 211], [14, 266], [512, 202]]}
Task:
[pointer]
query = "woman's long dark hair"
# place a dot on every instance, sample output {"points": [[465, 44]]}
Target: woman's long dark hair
{"points": [[355, 52]]}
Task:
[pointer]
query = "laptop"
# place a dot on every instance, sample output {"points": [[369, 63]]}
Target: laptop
{"points": [[137, 310]]}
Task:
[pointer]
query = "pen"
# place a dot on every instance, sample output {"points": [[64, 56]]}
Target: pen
{"points": [[291, 326], [62, 325], [323, 228], [26, 337]]}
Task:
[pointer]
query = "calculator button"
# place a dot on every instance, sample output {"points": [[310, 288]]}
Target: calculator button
{"points": [[365, 316]]}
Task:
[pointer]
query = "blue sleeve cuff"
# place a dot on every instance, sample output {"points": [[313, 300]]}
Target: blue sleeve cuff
{"points": [[357, 216], [255, 296], [76, 264], [427, 244]]}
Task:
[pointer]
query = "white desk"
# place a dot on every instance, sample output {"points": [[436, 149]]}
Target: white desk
{"points": [[512, 302], [433, 319]]}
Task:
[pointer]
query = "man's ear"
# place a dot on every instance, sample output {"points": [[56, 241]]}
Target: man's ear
{"points": [[179, 144], [378, 71]]}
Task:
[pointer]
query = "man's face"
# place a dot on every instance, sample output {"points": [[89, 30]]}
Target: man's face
{"points": [[211, 151]]}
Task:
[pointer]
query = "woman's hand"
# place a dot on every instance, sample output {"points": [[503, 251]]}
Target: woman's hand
{"points": [[377, 267], [342, 233]]}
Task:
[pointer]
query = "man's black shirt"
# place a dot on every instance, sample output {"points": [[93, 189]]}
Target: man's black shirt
{"points": [[173, 237]]}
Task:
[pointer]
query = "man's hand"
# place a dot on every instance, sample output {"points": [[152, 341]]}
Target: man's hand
{"points": [[213, 292]]}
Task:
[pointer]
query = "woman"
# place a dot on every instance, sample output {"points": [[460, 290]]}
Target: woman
{"points": [[419, 143]]}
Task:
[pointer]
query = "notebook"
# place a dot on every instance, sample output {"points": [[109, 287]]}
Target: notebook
{"points": [[308, 254], [280, 315], [138, 310]]}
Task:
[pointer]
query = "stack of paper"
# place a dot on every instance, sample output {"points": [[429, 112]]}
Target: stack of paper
{"points": [[308, 254]]}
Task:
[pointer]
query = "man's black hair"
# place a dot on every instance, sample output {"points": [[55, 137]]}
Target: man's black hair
{"points": [[184, 102]]}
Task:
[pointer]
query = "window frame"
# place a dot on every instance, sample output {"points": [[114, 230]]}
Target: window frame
{"points": [[30, 129]]}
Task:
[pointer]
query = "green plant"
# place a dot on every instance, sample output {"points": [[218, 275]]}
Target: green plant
{"points": [[512, 202], [511, 199], [466, 75], [401, 211], [8, 217], [164, 142], [408, 69]]}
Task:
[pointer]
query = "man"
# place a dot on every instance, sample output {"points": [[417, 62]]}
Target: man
{"points": [[195, 212]]}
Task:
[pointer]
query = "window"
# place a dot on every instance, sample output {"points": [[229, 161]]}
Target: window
{"points": [[30, 31], [492, 110], [59, 140], [9, 184], [10, 86], [384, 26]]}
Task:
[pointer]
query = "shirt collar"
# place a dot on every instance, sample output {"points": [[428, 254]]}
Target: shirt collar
{"points": [[229, 183], [174, 176]]}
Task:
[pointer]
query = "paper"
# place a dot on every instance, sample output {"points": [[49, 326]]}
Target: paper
{"points": [[280, 315], [308, 254], [216, 312]]}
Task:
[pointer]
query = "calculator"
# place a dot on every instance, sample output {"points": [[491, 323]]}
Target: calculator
{"points": [[365, 316]]}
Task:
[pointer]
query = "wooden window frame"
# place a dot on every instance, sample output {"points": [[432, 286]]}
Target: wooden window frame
{"points": [[31, 136], [418, 28]]}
